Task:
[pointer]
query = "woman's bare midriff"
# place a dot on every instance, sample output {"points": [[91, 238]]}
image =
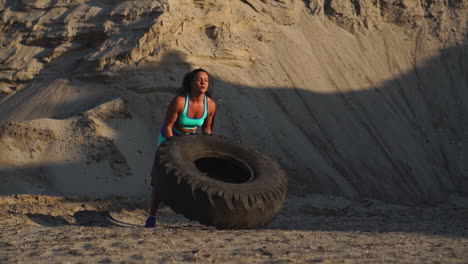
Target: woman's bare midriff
{"points": [[184, 130]]}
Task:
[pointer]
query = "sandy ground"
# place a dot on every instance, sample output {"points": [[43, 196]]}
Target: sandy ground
{"points": [[314, 229], [357, 98]]}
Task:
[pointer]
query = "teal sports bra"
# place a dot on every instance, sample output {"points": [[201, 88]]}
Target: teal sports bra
{"points": [[192, 123]]}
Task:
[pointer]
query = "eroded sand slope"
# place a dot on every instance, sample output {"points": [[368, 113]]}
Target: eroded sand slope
{"points": [[357, 98]]}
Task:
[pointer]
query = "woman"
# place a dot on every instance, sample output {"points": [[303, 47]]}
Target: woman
{"points": [[192, 108]]}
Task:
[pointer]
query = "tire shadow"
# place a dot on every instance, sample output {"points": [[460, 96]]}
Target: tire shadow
{"points": [[48, 220], [80, 218], [96, 218]]}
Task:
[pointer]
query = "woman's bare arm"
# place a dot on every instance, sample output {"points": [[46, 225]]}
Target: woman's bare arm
{"points": [[207, 127], [173, 110]]}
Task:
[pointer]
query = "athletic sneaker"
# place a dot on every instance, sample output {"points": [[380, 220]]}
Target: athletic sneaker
{"points": [[151, 221]]}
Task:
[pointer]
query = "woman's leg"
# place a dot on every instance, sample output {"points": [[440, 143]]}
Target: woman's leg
{"points": [[154, 203], [154, 200], [151, 220]]}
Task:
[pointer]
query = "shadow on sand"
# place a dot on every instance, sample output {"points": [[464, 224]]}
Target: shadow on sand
{"points": [[80, 218]]}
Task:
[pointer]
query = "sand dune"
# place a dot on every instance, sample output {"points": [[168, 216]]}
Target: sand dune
{"points": [[353, 98], [363, 103]]}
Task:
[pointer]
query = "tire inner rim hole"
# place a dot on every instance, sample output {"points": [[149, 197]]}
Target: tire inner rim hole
{"points": [[224, 169]]}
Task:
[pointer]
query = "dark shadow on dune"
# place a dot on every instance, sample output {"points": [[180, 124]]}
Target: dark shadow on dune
{"points": [[402, 142]]}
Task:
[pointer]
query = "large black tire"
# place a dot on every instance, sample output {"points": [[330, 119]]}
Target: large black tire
{"points": [[218, 182]]}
